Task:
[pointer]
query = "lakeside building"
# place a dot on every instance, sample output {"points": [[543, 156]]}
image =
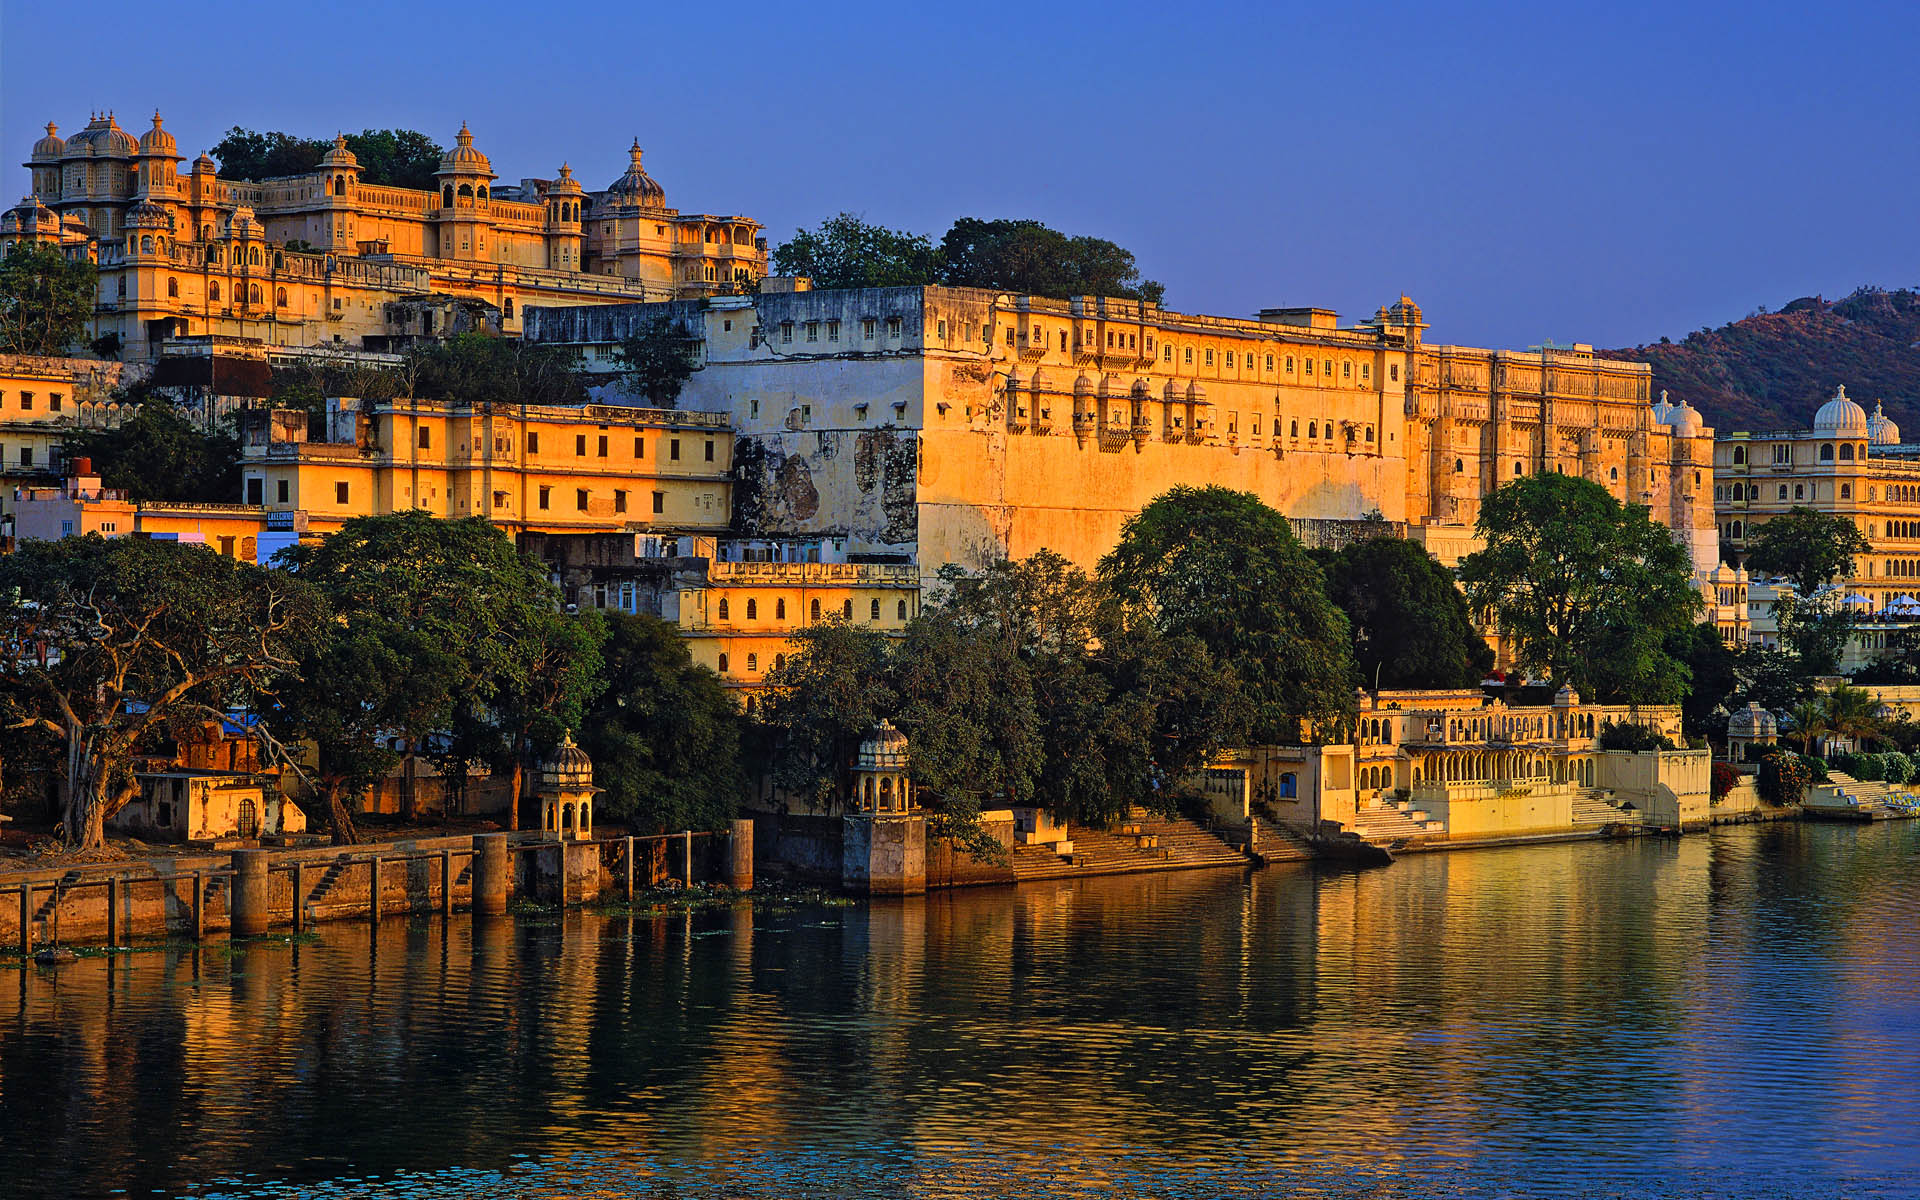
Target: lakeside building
{"points": [[327, 258], [948, 425], [79, 505], [1436, 765], [551, 469], [1849, 464]]}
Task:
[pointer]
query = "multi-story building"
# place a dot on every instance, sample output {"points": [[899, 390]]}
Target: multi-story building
{"points": [[43, 403], [551, 469], [78, 505], [944, 425], [327, 258], [1849, 464], [738, 604]]}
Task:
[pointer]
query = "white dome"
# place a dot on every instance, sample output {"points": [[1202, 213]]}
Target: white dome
{"points": [[1661, 409], [1881, 430], [1841, 415], [1685, 421]]}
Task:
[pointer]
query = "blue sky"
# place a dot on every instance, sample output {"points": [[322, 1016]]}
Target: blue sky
{"points": [[1605, 173]]}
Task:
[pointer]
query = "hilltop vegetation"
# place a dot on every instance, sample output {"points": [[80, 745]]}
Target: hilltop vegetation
{"points": [[1770, 370]]}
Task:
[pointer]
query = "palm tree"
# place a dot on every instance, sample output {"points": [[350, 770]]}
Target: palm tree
{"points": [[1851, 713], [1809, 721]]}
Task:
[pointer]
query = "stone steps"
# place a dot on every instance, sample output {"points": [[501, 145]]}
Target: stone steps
{"points": [[1390, 823], [1280, 844], [1590, 807], [1181, 844]]}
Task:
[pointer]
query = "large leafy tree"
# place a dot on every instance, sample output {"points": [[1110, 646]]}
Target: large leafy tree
{"points": [[1225, 569], [1027, 256], [475, 368], [103, 642], [657, 360], [393, 157], [436, 644], [1807, 547], [161, 453], [1712, 675], [46, 300], [847, 252], [821, 702], [664, 735], [1411, 626], [1584, 589]]}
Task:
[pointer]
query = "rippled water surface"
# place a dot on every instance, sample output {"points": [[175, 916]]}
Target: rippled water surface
{"points": [[1731, 1014]]}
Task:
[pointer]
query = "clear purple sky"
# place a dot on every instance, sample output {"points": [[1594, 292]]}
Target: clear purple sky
{"points": [[1604, 173]]}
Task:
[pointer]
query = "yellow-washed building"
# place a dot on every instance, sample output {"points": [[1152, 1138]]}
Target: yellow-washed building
{"points": [[326, 258], [957, 426], [549, 469]]}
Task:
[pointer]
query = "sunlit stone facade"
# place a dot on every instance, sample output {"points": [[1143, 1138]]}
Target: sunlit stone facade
{"points": [[326, 258]]}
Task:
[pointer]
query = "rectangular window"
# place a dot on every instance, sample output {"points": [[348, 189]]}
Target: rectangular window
{"points": [[1009, 335], [673, 449], [1229, 360], [940, 330], [533, 443], [1269, 362], [280, 491], [339, 493], [786, 331], [1209, 358], [255, 489], [603, 445], [833, 331], [426, 438], [639, 447], [546, 496], [26, 401], [619, 501], [893, 326], [709, 449], [53, 401], [866, 328], [813, 331], [580, 445], [580, 499], [659, 502], [26, 456]]}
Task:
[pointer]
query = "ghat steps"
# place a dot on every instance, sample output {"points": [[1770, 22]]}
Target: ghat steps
{"points": [[1158, 844]]}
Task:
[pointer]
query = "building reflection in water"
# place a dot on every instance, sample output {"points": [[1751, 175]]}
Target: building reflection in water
{"points": [[1556, 1014]]}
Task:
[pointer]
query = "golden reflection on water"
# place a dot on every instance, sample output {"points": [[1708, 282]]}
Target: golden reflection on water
{"points": [[1636, 1017]]}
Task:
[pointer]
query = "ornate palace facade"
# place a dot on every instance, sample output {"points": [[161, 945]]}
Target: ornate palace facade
{"points": [[941, 425], [326, 258]]}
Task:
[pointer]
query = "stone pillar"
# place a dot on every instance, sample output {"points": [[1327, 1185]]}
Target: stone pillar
{"points": [[252, 889], [491, 873], [884, 855], [740, 856]]}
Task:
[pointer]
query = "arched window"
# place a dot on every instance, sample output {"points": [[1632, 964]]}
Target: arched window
{"points": [[1518, 470], [279, 261], [253, 256], [723, 609], [1826, 452], [280, 297], [1459, 467], [446, 196], [723, 663], [1739, 455], [253, 294], [780, 609], [1313, 429], [753, 609], [813, 610], [146, 243], [846, 610], [1613, 474], [1846, 452], [1846, 491], [173, 289], [1799, 491], [900, 610], [483, 191], [465, 191], [509, 308], [779, 660], [339, 185], [753, 662], [1293, 425], [873, 612], [213, 291]]}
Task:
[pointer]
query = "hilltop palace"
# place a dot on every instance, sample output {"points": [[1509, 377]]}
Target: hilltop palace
{"points": [[327, 259]]}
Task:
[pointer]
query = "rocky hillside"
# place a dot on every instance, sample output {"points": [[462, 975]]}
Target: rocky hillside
{"points": [[1772, 369]]}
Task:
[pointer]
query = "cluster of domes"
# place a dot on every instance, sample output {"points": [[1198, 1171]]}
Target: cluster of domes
{"points": [[636, 186], [1683, 418], [1881, 430], [102, 138]]}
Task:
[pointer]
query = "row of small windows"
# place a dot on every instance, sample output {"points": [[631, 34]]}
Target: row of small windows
{"points": [[1783, 453], [811, 329], [813, 610], [27, 400], [465, 191]]}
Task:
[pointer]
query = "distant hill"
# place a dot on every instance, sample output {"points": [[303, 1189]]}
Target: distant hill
{"points": [[1771, 370]]}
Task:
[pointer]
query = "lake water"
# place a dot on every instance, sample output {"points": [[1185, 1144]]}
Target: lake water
{"points": [[1732, 1014]]}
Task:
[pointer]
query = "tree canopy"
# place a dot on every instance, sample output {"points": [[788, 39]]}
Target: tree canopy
{"points": [[46, 300], [162, 453], [847, 252], [475, 368], [1225, 569], [664, 735], [1807, 547], [1584, 589], [1014, 256], [104, 641], [657, 360], [1411, 626], [403, 158]]}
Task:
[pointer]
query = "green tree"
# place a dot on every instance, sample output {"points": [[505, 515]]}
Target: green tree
{"points": [[847, 252], [437, 639], [821, 701], [1220, 566], [1852, 713], [161, 453], [664, 735], [103, 642], [657, 360], [403, 158], [1810, 548], [475, 368], [1411, 626], [46, 300], [1029, 257], [1712, 674], [1584, 589]]}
